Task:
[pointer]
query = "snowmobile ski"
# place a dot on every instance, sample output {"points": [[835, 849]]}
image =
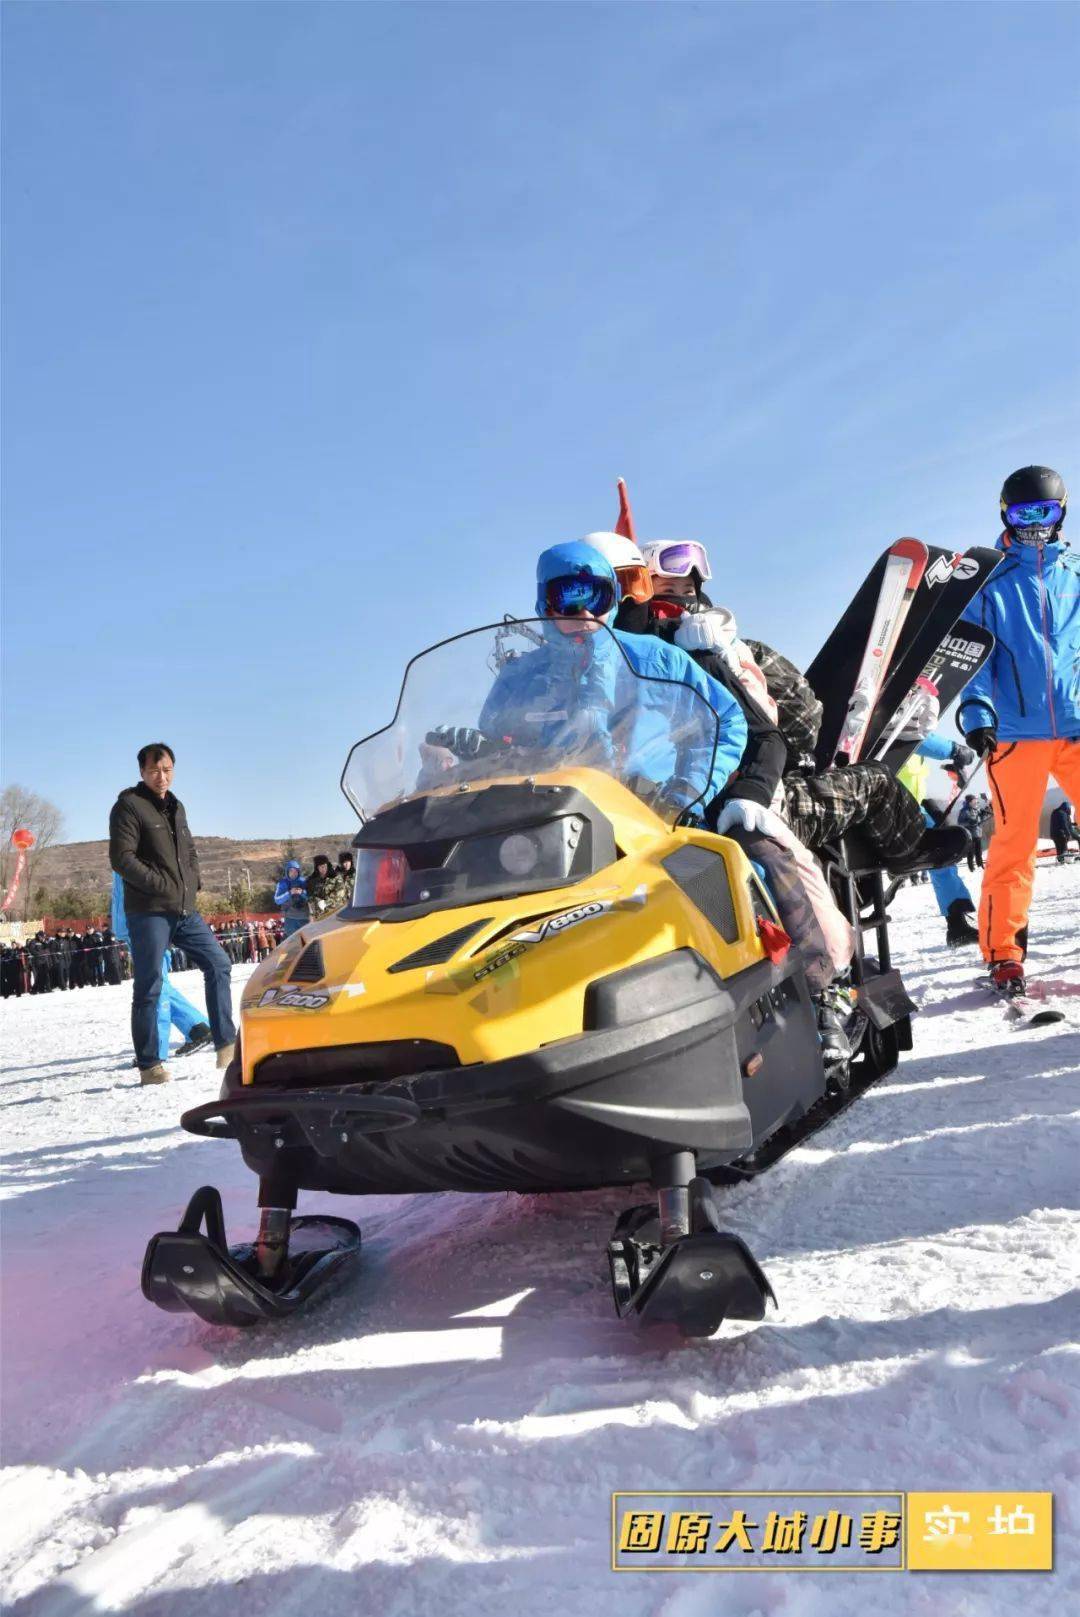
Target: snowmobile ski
{"points": [[691, 1274], [904, 569], [241, 1285], [951, 583]]}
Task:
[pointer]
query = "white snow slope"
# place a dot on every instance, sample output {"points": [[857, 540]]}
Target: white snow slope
{"points": [[443, 1436]]}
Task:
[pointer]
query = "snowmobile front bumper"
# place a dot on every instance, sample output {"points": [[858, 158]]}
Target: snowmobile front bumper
{"points": [[658, 1065]]}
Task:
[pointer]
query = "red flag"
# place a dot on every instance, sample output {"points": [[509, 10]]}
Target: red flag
{"points": [[625, 524]]}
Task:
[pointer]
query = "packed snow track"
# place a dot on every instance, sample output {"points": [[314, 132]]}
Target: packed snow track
{"points": [[444, 1435]]}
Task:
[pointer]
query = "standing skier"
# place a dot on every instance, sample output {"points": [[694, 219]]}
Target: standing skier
{"points": [[971, 817], [1021, 712], [953, 899], [1063, 828]]}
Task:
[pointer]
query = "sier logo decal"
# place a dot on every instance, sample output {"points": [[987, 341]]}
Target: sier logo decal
{"points": [[503, 958], [560, 923], [291, 999]]}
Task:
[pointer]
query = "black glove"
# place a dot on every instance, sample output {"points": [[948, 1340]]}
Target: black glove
{"points": [[983, 740], [461, 741], [963, 757]]}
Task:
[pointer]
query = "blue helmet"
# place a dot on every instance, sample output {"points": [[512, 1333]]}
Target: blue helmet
{"points": [[573, 562]]}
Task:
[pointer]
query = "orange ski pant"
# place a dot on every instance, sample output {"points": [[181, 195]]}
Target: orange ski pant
{"points": [[1019, 773]]}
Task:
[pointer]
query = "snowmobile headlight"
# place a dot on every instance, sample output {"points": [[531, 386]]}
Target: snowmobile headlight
{"points": [[518, 854]]}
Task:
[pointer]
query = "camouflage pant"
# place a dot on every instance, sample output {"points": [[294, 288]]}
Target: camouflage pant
{"points": [[860, 797]]}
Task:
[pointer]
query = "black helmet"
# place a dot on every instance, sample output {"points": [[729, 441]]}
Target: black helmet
{"points": [[1034, 485]]}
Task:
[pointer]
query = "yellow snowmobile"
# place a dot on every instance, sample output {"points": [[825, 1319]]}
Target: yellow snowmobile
{"points": [[551, 977]]}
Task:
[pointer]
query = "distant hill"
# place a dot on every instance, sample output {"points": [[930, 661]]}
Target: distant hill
{"points": [[86, 864]]}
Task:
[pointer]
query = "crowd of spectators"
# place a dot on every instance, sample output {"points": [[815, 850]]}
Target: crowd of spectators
{"points": [[94, 957], [68, 959], [90, 956]]}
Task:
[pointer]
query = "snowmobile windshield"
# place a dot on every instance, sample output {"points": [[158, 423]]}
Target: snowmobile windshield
{"points": [[527, 698]]}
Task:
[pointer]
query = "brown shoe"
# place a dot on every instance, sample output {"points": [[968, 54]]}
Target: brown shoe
{"points": [[225, 1055], [157, 1074]]}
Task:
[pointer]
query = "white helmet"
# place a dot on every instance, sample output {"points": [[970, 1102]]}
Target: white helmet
{"points": [[624, 556]]}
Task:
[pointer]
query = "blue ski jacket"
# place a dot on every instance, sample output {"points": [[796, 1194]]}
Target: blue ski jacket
{"points": [[1029, 687], [618, 702], [293, 909]]}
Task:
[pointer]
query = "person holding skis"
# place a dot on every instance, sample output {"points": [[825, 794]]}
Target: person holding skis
{"points": [[290, 896], [1021, 712]]}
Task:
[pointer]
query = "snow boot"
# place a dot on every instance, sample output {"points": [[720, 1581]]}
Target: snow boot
{"points": [[225, 1055], [157, 1074], [939, 846], [959, 931], [199, 1036], [1007, 976], [833, 1008]]}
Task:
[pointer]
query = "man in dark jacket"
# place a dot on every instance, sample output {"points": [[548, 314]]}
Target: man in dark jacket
{"points": [[1063, 828], [151, 847]]}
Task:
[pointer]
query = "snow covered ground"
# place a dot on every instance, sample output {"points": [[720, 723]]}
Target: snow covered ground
{"points": [[444, 1436]]}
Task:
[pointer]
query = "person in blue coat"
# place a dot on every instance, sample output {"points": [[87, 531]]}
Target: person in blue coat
{"points": [[1021, 712], [290, 896], [174, 1010], [622, 703], [953, 899]]}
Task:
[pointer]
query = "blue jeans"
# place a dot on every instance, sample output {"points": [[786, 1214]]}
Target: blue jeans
{"points": [[293, 923], [151, 935]]}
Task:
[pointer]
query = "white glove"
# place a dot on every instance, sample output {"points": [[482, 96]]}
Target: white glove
{"points": [[742, 815], [714, 629]]}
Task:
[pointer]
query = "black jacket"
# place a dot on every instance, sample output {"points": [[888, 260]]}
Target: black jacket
{"points": [[763, 760], [151, 847], [1062, 821]]}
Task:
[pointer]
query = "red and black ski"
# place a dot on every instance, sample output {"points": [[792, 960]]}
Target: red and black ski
{"points": [[956, 662], [834, 672], [904, 568], [949, 585]]}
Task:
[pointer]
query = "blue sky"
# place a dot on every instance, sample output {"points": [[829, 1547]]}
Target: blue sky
{"points": [[320, 320]]}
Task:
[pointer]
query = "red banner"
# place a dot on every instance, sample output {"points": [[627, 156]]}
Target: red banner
{"points": [[9, 896]]}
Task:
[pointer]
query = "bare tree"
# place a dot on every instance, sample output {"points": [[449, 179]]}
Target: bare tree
{"points": [[20, 807]]}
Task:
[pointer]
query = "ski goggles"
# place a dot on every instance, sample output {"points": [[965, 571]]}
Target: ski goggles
{"points": [[568, 596], [678, 560], [1041, 514], [635, 581]]}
